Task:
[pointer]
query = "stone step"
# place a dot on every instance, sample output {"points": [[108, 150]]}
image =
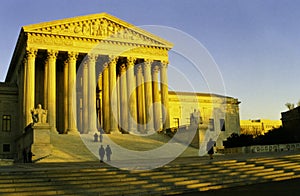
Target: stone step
{"points": [[91, 179], [214, 178]]}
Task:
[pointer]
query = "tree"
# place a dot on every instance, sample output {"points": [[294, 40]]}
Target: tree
{"points": [[290, 106]]}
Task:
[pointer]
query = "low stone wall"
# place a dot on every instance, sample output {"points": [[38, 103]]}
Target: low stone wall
{"points": [[263, 148]]}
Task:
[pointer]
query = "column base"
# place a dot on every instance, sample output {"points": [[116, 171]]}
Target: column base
{"points": [[72, 131]]}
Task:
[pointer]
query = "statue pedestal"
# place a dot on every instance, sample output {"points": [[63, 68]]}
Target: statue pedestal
{"points": [[41, 144]]}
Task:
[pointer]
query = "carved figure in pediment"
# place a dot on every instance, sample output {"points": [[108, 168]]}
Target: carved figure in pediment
{"points": [[110, 29], [103, 28]]}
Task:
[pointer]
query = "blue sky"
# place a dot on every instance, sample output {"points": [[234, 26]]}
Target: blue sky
{"points": [[256, 44]]}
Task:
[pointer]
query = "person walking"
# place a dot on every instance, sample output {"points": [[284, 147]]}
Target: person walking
{"points": [[101, 153], [210, 148], [24, 153], [101, 137], [108, 152]]}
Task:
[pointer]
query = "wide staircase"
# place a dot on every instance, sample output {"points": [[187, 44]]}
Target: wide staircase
{"points": [[180, 176]]}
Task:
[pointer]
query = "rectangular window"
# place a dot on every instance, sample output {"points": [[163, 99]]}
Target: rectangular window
{"points": [[6, 123], [222, 124], [211, 124], [6, 147]]}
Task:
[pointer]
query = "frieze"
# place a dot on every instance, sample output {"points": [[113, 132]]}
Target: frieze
{"points": [[50, 40]]}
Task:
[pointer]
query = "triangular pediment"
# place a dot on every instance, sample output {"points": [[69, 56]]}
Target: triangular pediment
{"points": [[98, 26]]}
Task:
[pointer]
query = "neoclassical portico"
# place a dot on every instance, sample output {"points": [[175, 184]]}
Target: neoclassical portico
{"points": [[94, 71]]}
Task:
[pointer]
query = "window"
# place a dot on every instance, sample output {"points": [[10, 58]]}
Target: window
{"points": [[211, 124], [6, 123], [6, 147], [222, 124]]}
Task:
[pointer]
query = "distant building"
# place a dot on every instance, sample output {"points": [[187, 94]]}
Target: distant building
{"points": [[182, 104], [259, 126], [291, 121]]}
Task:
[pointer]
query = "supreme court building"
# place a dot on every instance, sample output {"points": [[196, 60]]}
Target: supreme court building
{"points": [[96, 71]]}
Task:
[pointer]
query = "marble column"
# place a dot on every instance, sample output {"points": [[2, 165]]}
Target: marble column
{"points": [[123, 96], [148, 94], [51, 59], [131, 93], [156, 100], [100, 100], [66, 94], [92, 127], [30, 83], [46, 74], [164, 95], [113, 94], [105, 98], [140, 97], [85, 98], [72, 125]]}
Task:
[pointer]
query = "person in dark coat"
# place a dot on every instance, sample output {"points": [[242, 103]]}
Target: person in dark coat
{"points": [[101, 137], [108, 152], [95, 137], [24, 153], [101, 153], [29, 155], [210, 148]]}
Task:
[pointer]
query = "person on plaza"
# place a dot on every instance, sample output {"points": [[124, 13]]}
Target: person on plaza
{"points": [[101, 137], [210, 148], [108, 152], [95, 137], [101, 153], [24, 153], [29, 156]]}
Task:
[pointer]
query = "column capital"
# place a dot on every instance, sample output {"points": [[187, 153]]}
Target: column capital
{"points": [[92, 57], [155, 69], [52, 54], [148, 63], [164, 64], [122, 68], [72, 55], [130, 61], [31, 52], [112, 59], [139, 68], [105, 66]]}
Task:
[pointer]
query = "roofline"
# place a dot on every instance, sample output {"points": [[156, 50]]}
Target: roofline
{"points": [[18, 49], [200, 94], [29, 28]]}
